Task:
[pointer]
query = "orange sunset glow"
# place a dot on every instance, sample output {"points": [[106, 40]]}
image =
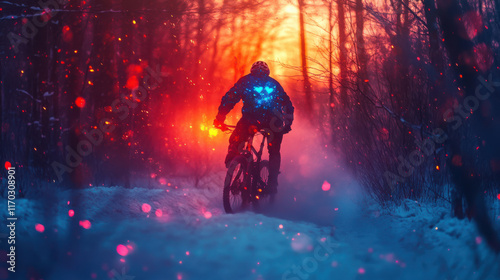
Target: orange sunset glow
{"points": [[250, 139]]}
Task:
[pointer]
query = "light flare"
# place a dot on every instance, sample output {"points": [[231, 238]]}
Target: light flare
{"points": [[146, 208], [207, 215], [39, 228], [80, 102], [212, 132], [85, 224], [122, 250], [158, 213], [326, 186]]}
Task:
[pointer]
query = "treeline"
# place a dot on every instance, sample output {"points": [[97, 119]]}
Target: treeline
{"points": [[393, 89], [413, 104], [99, 92]]}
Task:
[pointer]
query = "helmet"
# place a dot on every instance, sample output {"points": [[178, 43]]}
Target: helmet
{"points": [[260, 67]]}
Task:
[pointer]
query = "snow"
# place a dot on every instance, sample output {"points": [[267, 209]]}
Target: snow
{"points": [[309, 234]]}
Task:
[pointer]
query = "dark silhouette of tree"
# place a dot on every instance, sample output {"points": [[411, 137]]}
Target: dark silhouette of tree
{"points": [[303, 58], [344, 99], [464, 162]]}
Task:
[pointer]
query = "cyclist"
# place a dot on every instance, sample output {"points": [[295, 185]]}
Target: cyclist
{"points": [[265, 106]]}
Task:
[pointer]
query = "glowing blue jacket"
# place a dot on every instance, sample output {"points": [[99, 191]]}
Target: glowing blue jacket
{"points": [[263, 98]]}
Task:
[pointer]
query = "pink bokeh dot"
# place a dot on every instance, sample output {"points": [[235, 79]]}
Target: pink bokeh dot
{"points": [[479, 240], [326, 186], [158, 213], [39, 228], [146, 208], [85, 224], [122, 250]]}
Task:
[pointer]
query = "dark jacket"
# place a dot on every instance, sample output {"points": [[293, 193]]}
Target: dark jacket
{"points": [[263, 99]]}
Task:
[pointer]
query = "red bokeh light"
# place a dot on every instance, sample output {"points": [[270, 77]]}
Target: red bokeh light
{"points": [[80, 102], [132, 83], [146, 208], [483, 57], [71, 213], [384, 134], [473, 24], [158, 213], [85, 224], [134, 69], [7, 165], [122, 250], [67, 34], [326, 186], [39, 228]]}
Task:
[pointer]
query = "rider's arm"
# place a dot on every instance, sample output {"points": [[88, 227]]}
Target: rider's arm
{"points": [[230, 99], [287, 106]]}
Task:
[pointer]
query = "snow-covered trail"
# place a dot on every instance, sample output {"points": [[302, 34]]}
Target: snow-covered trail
{"points": [[320, 227], [310, 234]]}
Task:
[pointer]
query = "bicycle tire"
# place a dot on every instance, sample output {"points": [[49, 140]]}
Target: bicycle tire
{"points": [[266, 199], [234, 186]]}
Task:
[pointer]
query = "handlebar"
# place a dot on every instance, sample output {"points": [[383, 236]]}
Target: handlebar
{"points": [[229, 128], [226, 127]]}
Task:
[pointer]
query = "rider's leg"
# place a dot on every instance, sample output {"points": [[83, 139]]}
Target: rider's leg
{"points": [[237, 141], [274, 160]]}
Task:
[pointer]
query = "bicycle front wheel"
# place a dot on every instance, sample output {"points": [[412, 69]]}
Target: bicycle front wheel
{"points": [[236, 195]]}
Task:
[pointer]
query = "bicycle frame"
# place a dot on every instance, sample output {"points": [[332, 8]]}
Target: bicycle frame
{"points": [[254, 164], [254, 185], [251, 149]]}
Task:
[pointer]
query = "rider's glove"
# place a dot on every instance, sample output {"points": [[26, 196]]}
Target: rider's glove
{"points": [[219, 121]]}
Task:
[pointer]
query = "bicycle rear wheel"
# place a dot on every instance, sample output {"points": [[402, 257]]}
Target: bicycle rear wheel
{"points": [[235, 195], [263, 198]]}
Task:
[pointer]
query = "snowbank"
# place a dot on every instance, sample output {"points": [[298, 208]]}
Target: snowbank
{"points": [[182, 233]]}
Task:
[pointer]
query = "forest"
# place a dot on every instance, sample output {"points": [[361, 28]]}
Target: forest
{"points": [[404, 93]]}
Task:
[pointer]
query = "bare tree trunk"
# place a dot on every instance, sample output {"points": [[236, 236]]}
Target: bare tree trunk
{"points": [[303, 58], [360, 47], [215, 44], [434, 46], [465, 172], [77, 26], [330, 57], [199, 40], [361, 110], [497, 9], [342, 55]]}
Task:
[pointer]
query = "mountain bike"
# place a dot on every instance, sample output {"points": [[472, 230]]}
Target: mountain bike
{"points": [[247, 177]]}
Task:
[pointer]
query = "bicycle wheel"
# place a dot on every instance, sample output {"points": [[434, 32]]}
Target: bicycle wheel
{"points": [[235, 194], [263, 197]]}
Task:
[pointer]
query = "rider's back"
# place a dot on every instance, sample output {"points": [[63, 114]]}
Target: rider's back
{"points": [[263, 98]]}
